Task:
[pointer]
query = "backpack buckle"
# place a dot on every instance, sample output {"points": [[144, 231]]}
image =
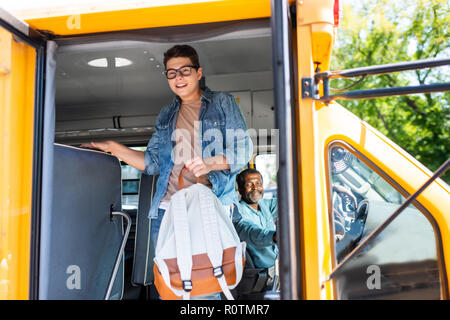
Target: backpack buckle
{"points": [[218, 272], [187, 285]]}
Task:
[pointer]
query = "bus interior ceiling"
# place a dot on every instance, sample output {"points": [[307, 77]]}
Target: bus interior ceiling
{"points": [[115, 89]]}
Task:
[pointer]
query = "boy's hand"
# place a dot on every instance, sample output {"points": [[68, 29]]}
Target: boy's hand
{"points": [[102, 146], [198, 167]]}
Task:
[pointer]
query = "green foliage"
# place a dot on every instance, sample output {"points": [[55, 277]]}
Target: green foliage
{"points": [[385, 31]]}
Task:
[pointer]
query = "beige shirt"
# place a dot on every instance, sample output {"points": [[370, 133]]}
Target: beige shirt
{"points": [[187, 147]]}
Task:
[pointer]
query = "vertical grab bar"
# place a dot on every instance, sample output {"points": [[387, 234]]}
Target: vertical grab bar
{"points": [[120, 253]]}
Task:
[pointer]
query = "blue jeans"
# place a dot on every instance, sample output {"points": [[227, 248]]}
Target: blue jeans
{"points": [[154, 231]]}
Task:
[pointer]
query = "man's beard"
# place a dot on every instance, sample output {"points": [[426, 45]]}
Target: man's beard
{"points": [[253, 197]]}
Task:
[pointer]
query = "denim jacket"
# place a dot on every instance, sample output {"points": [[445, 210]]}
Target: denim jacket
{"points": [[223, 131]]}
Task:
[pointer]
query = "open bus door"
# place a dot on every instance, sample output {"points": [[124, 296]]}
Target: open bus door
{"points": [[61, 229], [22, 56], [284, 98]]}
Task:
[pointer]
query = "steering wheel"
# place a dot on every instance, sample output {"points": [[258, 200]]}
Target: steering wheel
{"points": [[350, 217], [345, 205]]}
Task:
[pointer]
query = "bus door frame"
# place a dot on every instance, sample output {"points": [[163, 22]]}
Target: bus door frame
{"points": [[284, 95], [36, 40]]}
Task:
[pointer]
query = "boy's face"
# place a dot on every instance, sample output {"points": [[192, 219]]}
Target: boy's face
{"points": [[185, 86]]}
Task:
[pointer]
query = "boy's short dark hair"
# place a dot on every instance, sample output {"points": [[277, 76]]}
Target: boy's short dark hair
{"points": [[240, 178], [182, 51]]}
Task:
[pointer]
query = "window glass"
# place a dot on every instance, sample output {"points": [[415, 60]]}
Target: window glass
{"points": [[130, 185], [267, 165], [128, 172], [401, 262]]}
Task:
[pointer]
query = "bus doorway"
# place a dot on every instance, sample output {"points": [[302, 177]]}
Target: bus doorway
{"points": [[112, 88]]}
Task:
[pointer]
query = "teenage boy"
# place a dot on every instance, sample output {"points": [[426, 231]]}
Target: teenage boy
{"points": [[201, 130]]}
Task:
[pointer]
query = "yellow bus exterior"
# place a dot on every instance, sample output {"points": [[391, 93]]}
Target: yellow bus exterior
{"points": [[17, 90]]}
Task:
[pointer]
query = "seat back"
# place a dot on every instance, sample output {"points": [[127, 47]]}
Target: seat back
{"points": [[144, 250], [253, 281], [80, 239]]}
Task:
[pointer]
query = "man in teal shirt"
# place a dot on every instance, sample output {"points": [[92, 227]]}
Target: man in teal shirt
{"points": [[255, 219]]}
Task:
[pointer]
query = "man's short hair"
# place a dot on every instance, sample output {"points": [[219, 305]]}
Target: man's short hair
{"points": [[240, 178], [182, 51]]}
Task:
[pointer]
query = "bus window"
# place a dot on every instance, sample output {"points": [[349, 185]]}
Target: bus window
{"points": [[267, 165], [402, 262], [130, 185]]}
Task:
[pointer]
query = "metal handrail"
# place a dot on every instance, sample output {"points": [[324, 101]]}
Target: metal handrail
{"points": [[310, 87], [383, 68], [386, 92], [119, 254]]}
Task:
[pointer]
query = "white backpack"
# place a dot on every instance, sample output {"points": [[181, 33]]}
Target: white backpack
{"points": [[198, 250]]}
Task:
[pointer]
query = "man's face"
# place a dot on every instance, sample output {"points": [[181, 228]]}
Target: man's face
{"points": [[253, 190], [184, 86]]}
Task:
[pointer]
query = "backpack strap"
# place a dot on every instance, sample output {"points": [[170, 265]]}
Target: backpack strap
{"points": [[182, 240], [214, 247]]}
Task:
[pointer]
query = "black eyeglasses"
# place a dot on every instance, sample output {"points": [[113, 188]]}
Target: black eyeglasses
{"points": [[184, 71]]}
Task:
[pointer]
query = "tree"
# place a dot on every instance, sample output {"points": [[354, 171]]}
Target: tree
{"points": [[385, 31]]}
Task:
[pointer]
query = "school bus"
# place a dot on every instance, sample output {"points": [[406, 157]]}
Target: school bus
{"points": [[359, 218]]}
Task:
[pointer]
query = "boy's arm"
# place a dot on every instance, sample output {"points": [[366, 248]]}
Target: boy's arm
{"points": [[151, 155], [147, 161], [132, 157]]}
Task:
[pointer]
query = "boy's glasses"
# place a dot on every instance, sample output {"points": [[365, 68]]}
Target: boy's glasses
{"points": [[184, 71]]}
